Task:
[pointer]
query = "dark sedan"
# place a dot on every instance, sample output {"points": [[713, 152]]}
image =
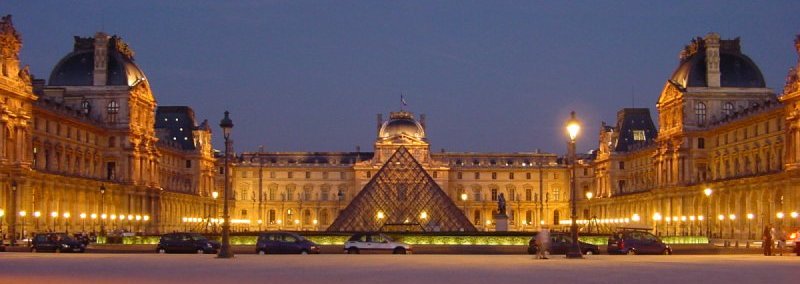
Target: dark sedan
{"points": [[283, 242], [56, 242], [186, 243], [636, 242], [560, 243]]}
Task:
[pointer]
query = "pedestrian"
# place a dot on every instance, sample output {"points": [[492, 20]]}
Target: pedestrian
{"points": [[780, 237], [766, 240], [543, 243]]}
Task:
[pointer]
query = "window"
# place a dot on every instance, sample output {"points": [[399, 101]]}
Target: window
{"points": [[494, 194], [621, 185], [477, 175], [369, 174], [638, 135], [476, 217], [459, 175], [528, 194], [701, 143], [85, 107], [435, 174], [271, 174], [324, 175], [621, 165], [112, 109], [494, 175], [308, 175], [510, 175], [727, 109], [290, 174], [556, 217], [272, 216], [110, 171], [527, 175], [556, 194], [188, 164], [700, 113]]}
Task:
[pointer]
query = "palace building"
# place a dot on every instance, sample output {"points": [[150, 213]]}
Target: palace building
{"points": [[724, 159], [86, 150]]}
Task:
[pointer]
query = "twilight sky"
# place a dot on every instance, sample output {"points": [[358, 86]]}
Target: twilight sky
{"points": [[492, 76]]}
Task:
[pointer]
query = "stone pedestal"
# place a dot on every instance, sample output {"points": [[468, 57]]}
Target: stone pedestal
{"points": [[500, 222]]}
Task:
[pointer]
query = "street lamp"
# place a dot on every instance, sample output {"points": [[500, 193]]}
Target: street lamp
{"points": [[83, 222], [2, 216], [54, 216], [656, 219], [12, 224], [66, 221], [573, 127], [102, 210], [23, 214], [464, 202], [794, 216], [215, 195], [732, 217], [589, 196], [225, 250], [750, 217], [94, 218], [36, 215], [720, 217], [708, 192]]}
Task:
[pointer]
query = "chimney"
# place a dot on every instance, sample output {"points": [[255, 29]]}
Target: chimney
{"points": [[422, 121], [712, 60], [100, 59]]}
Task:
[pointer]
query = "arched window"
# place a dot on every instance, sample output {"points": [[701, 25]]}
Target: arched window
{"points": [[700, 113], [85, 107], [529, 217], [112, 109], [307, 217], [556, 217], [727, 109]]}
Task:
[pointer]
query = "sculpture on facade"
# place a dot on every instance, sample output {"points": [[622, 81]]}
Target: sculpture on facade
{"points": [[501, 205]]}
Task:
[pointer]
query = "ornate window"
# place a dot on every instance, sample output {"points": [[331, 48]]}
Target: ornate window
{"points": [[494, 194], [700, 113], [727, 109], [556, 194], [85, 107], [112, 109]]}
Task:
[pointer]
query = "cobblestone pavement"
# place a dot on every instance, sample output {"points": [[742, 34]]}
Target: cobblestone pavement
{"points": [[387, 269]]}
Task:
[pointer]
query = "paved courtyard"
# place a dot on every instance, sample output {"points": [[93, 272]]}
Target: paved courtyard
{"points": [[387, 269]]}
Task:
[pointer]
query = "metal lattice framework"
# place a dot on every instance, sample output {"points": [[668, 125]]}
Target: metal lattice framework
{"points": [[401, 197]]}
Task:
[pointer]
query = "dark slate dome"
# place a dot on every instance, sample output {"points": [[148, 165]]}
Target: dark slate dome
{"points": [[76, 69], [736, 69]]}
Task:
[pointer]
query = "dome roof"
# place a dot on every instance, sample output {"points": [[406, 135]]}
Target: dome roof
{"points": [[402, 124], [77, 67], [736, 69]]}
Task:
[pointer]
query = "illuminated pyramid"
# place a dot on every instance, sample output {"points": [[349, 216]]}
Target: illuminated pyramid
{"points": [[401, 197]]}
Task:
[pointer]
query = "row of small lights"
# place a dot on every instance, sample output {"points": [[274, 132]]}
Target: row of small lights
{"points": [[67, 215], [233, 221]]}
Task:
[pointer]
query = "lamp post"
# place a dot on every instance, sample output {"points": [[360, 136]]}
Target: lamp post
{"points": [[36, 215], [589, 196], [12, 224], [794, 216], [54, 216], [214, 195], [83, 222], [102, 210], [732, 217], [225, 250], [656, 219], [464, 202], [22, 214], [94, 218], [707, 193], [340, 196], [573, 127], [750, 217], [2, 216], [66, 221], [720, 218]]}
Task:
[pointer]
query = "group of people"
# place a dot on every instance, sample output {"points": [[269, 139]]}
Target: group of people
{"points": [[770, 236]]}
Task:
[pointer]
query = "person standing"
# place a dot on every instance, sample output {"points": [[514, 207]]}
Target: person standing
{"points": [[766, 240], [780, 237], [543, 243]]}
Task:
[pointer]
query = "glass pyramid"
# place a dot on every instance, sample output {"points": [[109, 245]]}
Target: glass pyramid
{"points": [[401, 197]]}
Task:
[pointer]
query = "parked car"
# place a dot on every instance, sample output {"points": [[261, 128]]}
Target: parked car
{"points": [[375, 243], [636, 242], [56, 242], [560, 244], [186, 243], [283, 242]]}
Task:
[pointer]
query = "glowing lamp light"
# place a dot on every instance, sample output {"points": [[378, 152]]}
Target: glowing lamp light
{"points": [[488, 222], [138, 217], [589, 195], [146, 218], [280, 221], [793, 214], [683, 218], [103, 216], [423, 215], [214, 195], [732, 217], [184, 219], [83, 215], [130, 217], [750, 216], [708, 191], [259, 221], [721, 217], [380, 215], [691, 218], [23, 213], [54, 214], [463, 197], [114, 217], [636, 217], [296, 221], [573, 127], [37, 214], [315, 221], [66, 214], [700, 217], [675, 218], [93, 216], [2, 212], [779, 215], [656, 216]]}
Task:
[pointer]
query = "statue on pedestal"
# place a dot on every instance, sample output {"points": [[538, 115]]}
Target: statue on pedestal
{"points": [[501, 205]]}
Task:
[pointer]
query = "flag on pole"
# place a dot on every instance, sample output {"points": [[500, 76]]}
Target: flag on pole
{"points": [[403, 100]]}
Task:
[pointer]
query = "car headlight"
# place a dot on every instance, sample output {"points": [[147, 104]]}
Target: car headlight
{"points": [[65, 245], [209, 245]]}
